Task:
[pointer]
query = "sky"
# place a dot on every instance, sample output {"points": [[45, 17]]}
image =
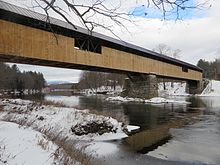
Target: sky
{"points": [[197, 35]]}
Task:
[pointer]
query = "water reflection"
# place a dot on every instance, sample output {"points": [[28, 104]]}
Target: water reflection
{"points": [[211, 102], [150, 116], [148, 140], [199, 142], [156, 121]]}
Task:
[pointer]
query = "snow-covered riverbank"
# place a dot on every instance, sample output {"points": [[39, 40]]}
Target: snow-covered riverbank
{"points": [[59, 124], [212, 89], [58, 118]]}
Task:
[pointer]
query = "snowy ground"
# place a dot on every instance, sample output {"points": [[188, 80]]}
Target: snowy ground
{"points": [[212, 89], [24, 146], [107, 89], [179, 89], [57, 124], [173, 89]]}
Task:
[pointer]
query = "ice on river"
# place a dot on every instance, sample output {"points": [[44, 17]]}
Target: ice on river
{"points": [[155, 100]]}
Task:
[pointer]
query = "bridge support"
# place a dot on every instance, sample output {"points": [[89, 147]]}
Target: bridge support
{"points": [[194, 87], [140, 86]]}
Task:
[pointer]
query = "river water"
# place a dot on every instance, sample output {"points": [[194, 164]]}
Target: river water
{"points": [[188, 133]]}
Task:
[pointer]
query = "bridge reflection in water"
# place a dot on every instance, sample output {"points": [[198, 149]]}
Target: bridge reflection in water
{"points": [[157, 120]]}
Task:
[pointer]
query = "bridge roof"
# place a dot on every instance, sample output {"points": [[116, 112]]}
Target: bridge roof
{"points": [[33, 19]]}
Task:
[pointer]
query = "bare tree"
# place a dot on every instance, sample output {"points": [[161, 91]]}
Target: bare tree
{"points": [[162, 49], [168, 7], [166, 50], [93, 80], [88, 11]]}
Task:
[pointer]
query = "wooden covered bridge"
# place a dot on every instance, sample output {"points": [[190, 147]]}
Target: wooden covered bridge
{"points": [[26, 37]]}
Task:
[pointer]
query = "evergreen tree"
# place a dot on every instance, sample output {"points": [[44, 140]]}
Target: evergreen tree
{"points": [[11, 79]]}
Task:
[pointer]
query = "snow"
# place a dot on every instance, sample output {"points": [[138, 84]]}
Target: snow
{"points": [[212, 89], [20, 146], [177, 89], [108, 89], [57, 119], [131, 128], [155, 100], [159, 100], [103, 148], [124, 99]]}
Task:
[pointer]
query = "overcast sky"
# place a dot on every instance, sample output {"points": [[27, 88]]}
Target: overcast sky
{"points": [[197, 36]]}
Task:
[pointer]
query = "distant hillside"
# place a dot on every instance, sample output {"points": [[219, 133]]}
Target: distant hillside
{"points": [[64, 86], [57, 82]]}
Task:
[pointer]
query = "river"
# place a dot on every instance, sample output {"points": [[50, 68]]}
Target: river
{"points": [[188, 133]]}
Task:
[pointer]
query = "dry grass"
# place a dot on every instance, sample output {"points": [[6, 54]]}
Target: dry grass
{"points": [[59, 155], [4, 156], [1, 108], [2, 151], [43, 143], [67, 152]]}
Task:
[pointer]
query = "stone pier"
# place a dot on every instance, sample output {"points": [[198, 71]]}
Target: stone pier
{"points": [[140, 86], [194, 87]]}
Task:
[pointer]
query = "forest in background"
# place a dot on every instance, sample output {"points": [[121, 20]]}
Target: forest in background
{"points": [[12, 79], [211, 69], [94, 80]]}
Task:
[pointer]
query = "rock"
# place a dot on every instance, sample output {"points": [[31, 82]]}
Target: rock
{"points": [[93, 127], [40, 118]]}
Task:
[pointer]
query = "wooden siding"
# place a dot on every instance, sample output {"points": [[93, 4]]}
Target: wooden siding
{"points": [[26, 42]]}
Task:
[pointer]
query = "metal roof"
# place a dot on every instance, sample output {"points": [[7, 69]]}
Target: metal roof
{"points": [[21, 13]]}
